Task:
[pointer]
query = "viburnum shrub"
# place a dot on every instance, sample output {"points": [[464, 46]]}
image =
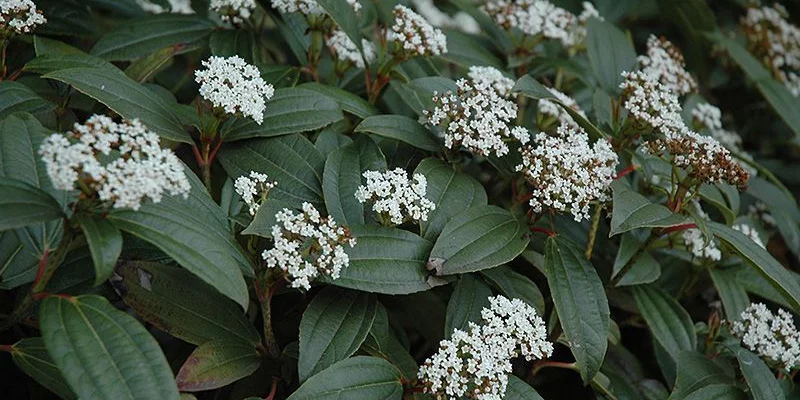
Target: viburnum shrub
{"points": [[399, 199]]}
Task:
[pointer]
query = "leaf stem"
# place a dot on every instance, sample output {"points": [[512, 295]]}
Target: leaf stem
{"points": [[553, 364], [628, 265], [539, 229], [265, 288], [593, 231]]}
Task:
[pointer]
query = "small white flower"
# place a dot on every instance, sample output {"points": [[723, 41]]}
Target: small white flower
{"points": [[307, 7], [775, 41], [235, 11], [476, 363], [307, 245], [415, 36], [121, 163], [395, 196], [664, 62], [175, 7], [773, 337], [345, 50], [479, 116], [537, 17], [652, 103], [253, 188], [440, 19], [549, 108], [695, 242], [567, 174], [751, 233], [21, 16], [235, 86]]}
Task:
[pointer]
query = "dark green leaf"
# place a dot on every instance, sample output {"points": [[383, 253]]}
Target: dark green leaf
{"points": [[144, 69], [347, 101], [147, 35], [265, 219], [381, 342], [632, 210], [354, 378], [332, 328], [292, 161], [103, 352], [519, 390], [216, 364], [610, 53], [479, 238], [31, 357], [669, 323], [451, 191], [126, 97], [515, 285], [290, 110], [464, 50], [733, 295], [530, 87], [386, 260], [767, 266], [645, 268], [580, 301], [233, 42], [342, 13], [181, 304], [470, 296], [105, 242], [47, 63], [762, 383], [696, 373], [24, 204], [401, 128], [15, 97], [342, 176], [196, 234]]}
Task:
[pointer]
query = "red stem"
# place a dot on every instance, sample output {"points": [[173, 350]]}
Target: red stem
{"points": [[43, 295], [678, 228], [214, 152], [42, 265], [197, 155], [546, 231], [273, 390], [626, 171], [6, 347]]}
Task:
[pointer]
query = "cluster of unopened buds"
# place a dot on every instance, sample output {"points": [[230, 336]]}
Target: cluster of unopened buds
{"points": [[233, 85], [253, 189], [19, 16], [566, 172], [664, 62], [773, 337], [775, 42], [120, 164], [479, 115], [475, 363], [346, 51], [395, 198], [541, 17], [307, 245], [415, 36]]}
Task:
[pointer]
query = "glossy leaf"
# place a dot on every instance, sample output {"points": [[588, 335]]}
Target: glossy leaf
{"points": [[332, 328], [347, 101], [515, 285], [479, 238], [126, 97], [354, 378], [149, 34], [386, 260], [105, 243], [632, 211], [645, 268], [103, 352], [519, 390], [345, 18], [762, 383], [31, 357], [216, 364], [15, 97], [401, 128], [343, 176], [695, 374], [669, 323], [580, 301], [24, 204], [196, 234], [469, 297], [733, 295], [181, 304], [610, 53]]}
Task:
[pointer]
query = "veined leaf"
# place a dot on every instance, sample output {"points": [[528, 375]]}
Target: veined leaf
{"points": [[610, 53], [401, 128], [342, 177], [354, 378], [103, 352], [347, 101], [15, 97], [515, 285], [345, 18], [632, 210], [762, 383], [519, 390], [24, 204], [733, 295], [216, 364], [333, 327], [697, 373], [470, 296], [147, 35], [31, 357], [669, 323], [105, 243], [580, 301], [479, 238]]}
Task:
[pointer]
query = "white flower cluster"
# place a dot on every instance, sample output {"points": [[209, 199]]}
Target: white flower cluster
{"points": [[549, 108], [653, 104], [414, 35], [345, 50], [759, 210], [122, 163], [235, 11], [234, 85], [664, 62], [476, 363], [567, 174], [21, 16], [396, 196], [775, 41], [253, 188], [541, 17], [307, 7], [307, 245], [440, 19], [773, 337], [479, 115], [695, 242], [175, 7], [750, 232], [709, 117]]}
